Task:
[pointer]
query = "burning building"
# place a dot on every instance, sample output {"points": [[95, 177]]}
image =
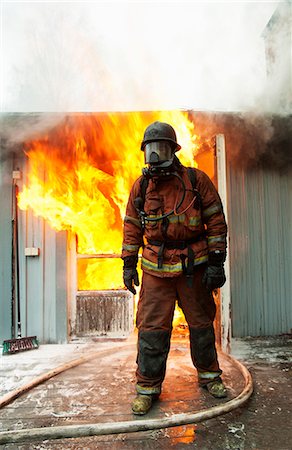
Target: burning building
{"points": [[71, 175]]}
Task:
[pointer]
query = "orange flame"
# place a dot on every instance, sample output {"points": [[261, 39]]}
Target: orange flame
{"points": [[79, 179]]}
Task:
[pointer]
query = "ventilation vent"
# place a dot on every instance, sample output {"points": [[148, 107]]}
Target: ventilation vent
{"points": [[104, 313]]}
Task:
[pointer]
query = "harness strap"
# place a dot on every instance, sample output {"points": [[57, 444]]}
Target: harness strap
{"points": [[190, 267], [165, 223], [193, 179], [172, 245], [160, 256], [143, 186]]}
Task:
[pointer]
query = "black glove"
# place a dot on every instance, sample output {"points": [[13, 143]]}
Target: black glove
{"points": [[130, 273], [214, 276]]}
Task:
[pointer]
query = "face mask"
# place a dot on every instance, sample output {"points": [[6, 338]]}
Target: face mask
{"points": [[158, 152]]}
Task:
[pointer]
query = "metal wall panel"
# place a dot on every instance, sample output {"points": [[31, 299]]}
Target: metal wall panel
{"points": [[260, 224], [44, 287], [5, 247], [60, 298], [43, 278]]}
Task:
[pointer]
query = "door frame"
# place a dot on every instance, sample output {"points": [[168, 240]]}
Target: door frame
{"points": [[225, 293]]}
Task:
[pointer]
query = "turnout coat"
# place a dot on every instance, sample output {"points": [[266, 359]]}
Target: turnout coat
{"points": [[195, 228]]}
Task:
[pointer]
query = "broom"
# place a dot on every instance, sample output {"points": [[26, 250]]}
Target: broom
{"points": [[18, 344]]}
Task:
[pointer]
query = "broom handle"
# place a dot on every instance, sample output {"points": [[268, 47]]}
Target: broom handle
{"points": [[17, 264]]}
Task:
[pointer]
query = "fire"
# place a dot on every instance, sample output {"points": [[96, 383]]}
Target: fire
{"points": [[79, 179]]}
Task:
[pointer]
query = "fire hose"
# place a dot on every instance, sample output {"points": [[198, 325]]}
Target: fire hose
{"points": [[98, 429]]}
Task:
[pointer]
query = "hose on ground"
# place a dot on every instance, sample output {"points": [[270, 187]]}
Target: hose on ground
{"points": [[98, 429], [8, 398]]}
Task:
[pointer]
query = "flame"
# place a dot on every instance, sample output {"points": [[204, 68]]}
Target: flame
{"points": [[79, 179]]}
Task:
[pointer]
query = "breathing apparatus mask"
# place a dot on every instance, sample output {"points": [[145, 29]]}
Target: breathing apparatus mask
{"points": [[159, 145], [159, 156]]}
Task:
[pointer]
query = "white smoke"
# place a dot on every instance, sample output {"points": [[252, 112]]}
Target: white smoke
{"points": [[126, 56], [277, 95]]}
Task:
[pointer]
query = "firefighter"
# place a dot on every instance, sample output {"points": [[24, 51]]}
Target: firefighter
{"points": [[175, 214]]}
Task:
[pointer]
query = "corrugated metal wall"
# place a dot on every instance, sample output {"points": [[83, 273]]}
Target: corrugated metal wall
{"points": [[43, 278], [5, 246], [260, 224]]}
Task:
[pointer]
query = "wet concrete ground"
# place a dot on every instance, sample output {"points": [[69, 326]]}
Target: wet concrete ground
{"points": [[102, 389]]}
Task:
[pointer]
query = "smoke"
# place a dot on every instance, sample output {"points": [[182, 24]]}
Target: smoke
{"points": [[18, 128], [252, 140], [264, 141], [277, 93], [134, 56]]}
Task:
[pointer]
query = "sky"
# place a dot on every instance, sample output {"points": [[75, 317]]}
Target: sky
{"points": [[65, 56]]}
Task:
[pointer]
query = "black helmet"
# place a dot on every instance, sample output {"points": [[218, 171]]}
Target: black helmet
{"points": [[160, 131]]}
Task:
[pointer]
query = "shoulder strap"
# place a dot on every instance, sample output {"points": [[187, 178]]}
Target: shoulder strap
{"points": [[193, 179], [192, 176], [143, 186]]}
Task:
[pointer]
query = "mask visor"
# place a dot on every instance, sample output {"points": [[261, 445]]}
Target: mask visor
{"points": [[157, 152]]}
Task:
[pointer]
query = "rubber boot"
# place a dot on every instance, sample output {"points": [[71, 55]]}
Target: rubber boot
{"points": [[216, 388], [141, 404]]}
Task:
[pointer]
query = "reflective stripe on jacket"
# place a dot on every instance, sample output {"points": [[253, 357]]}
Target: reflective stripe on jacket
{"points": [[206, 223]]}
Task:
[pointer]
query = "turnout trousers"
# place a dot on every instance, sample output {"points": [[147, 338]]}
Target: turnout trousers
{"points": [[154, 318]]}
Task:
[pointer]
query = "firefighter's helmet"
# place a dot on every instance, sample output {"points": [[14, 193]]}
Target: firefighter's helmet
{"points": [[160, 131]]}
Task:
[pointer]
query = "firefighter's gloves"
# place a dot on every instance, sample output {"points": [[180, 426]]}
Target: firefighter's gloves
{"points": [[130, 279], [130, 273], [214, 276]]}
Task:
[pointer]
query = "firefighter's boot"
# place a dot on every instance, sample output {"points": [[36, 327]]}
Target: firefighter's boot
{"points": [[141, 404], [216, 388]]}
